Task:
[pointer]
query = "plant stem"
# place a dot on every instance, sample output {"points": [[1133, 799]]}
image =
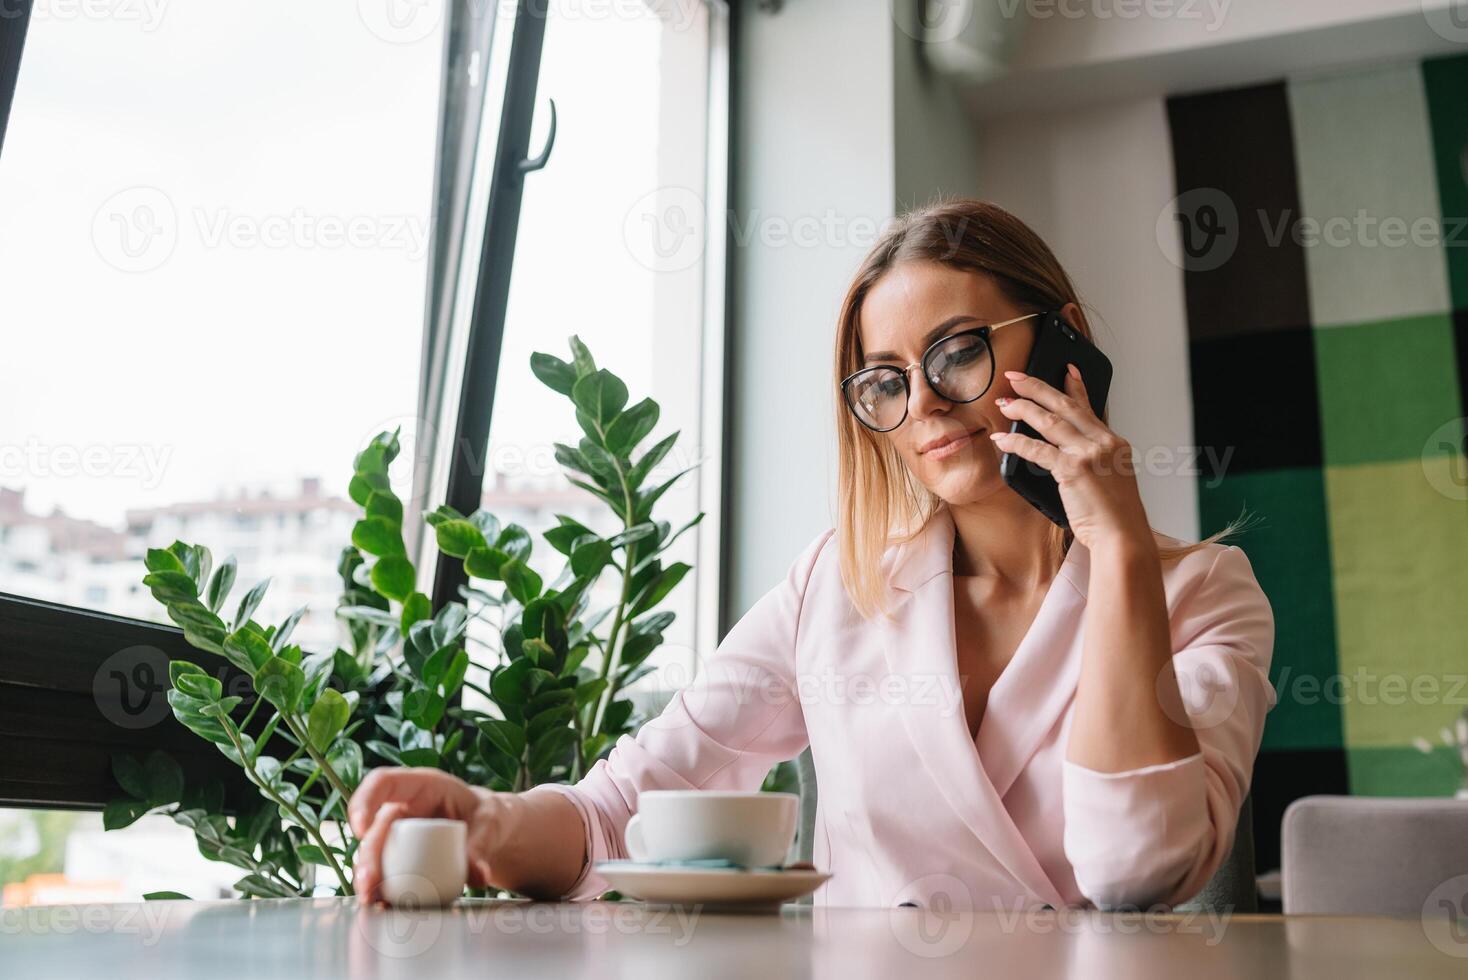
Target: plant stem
{"points": [[478, 690], [279, 800], [320, 760], [610, 660], [251, 713]]}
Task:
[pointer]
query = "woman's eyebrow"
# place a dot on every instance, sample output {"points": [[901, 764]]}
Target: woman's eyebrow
{"points": [[932, 335]]}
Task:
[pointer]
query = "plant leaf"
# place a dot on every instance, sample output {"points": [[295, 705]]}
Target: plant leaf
{"points": [[164, 777], [658, 588], [281, 682], [247, 650], [508, 737], [459, 537], [564, 537], [590, 558], [553, 372], [581, 358], [632, 426], [485, 563], [651, 458], [328, 717], [163, 560], [383, 504], [171, 587], [250, 603], [416, 608], [378, 536], [220, 584], [258, 886], [122, 813], [198, 685], [514, 541], [522, 581], [394, 577], [128, 772]]}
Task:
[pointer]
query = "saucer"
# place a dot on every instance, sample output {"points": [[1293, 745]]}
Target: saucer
{"points": [[732, 887]]}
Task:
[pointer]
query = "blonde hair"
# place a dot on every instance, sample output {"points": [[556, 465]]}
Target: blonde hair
{"points": [[880, 502]]}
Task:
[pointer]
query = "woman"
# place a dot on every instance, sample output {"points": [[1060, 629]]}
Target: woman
{"points": [[999, 711]]}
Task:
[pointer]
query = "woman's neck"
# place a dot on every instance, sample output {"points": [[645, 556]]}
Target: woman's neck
{"points": [[1005, 539]]}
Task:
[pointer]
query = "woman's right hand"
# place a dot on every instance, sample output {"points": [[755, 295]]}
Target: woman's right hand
{"points": [[390, 793]]}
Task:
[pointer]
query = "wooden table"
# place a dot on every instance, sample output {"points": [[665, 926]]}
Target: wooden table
{"points": [[284, 939]]}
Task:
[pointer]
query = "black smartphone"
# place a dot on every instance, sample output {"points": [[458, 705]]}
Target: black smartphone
{"points": [[1057, 344]]}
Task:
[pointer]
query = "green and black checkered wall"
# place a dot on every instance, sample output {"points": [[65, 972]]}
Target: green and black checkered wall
{"points": [[1324, 224]]}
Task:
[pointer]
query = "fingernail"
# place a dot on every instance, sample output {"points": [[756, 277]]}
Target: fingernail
{"points": [[1015, 375], [1001, 402], [1071, 370], [997, 435]]}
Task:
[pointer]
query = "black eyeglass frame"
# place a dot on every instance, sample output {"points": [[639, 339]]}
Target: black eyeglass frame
{"points": [[983, 333]]}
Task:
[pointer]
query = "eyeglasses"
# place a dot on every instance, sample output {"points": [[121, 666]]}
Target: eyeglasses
{"points": [[959, 368]]}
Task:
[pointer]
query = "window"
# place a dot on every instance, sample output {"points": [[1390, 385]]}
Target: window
{"points": [[215, 281], [215, 277], [612, 247]]}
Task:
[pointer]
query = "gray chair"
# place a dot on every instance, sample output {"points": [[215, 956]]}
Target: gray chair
{"points": [[1231, 889], [1361, 855]]}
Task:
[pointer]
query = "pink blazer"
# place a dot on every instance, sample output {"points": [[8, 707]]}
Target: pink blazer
{"points": [[911, 809]]}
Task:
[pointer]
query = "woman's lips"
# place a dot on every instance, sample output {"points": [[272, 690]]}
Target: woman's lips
{"points": [[953, 448]]}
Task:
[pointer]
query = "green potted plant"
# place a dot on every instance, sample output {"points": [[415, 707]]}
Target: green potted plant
{"points": [[304, 725]]}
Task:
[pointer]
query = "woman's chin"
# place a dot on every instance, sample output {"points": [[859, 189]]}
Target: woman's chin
{"points": [[970, 476]]}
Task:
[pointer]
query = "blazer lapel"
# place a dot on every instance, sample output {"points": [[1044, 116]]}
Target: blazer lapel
{"points": [[1038, 684], [919, 646]]}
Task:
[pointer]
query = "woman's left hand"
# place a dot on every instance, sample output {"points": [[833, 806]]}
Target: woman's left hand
{"points": [[1091, 464]]}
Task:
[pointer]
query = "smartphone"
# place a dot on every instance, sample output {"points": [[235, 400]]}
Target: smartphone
{"points": [[1057, 344]]}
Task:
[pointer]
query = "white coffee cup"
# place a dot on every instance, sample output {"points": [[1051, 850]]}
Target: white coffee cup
{"points": [[424, 862], [750, 829]]}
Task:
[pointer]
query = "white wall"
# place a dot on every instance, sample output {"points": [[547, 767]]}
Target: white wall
{"points": [[1085, 52], [1117, 30], [814, 171], [935, 141], [1092, 183]]}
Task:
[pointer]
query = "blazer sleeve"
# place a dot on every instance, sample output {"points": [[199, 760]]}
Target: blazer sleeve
{"points": [[739, 717], [1158, 834]]}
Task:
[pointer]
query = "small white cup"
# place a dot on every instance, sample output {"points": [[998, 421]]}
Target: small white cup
{"points": [[424, 862], [753, 829]]}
